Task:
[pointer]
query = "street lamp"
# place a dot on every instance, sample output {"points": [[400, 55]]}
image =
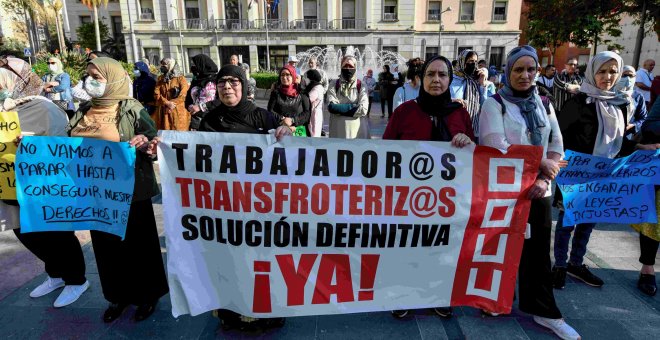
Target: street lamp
{"points": [[440, 30]]}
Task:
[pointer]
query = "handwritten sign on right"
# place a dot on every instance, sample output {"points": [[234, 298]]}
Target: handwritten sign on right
{"points": [[9, 130], [74, 183], [598, 189]]}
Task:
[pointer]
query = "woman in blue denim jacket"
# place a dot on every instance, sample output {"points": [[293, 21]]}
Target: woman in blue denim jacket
{"points": [[57, 85]]}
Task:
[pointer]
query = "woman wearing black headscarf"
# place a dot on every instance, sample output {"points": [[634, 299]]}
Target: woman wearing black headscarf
{"points": [[449, 122], [314, 91], [202, 88]]}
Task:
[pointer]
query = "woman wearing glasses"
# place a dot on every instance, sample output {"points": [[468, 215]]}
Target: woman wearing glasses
{"points": [[516, 115], [289, 104], [57, 85]]}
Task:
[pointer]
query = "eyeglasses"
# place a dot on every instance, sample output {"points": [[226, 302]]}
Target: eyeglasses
{"points": [[232, 82]]}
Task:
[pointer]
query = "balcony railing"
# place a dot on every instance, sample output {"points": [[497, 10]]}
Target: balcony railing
{"points": [[499, 17], [146, 14], [309, 24], [189, 24], [273, 24], [233, 24], [349, 24], [433, 17]]}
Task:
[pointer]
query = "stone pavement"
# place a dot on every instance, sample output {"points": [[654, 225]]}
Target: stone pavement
{"points": [[615, 311]]}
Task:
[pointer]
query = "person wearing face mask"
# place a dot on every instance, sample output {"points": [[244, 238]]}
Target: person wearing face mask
{"points": [[592, 122], [431, 116], [517, 115], [348, 103], [144, 86], [289, 103], [131, 270], [170, 95], [202, 89], [57, 85], [625, 89], [59, 250], [465, 89]]}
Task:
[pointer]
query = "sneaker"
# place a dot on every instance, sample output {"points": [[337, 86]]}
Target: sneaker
{"points": [[444, 312], [400, 314], [47, 287], [559, 326], [583, 274], [70, 294], [558, 277]]}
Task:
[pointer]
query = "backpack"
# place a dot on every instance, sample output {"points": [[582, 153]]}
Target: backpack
{"points": [[545, 100], [359, 86]]}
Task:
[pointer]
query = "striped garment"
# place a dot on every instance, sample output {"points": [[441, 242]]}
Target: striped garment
{"points": [[561, 95]]}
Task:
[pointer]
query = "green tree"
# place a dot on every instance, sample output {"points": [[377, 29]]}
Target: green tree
{"points": [[29, 12], [94, 5], [87, 34]]}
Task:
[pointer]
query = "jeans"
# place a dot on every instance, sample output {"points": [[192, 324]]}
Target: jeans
{"points": [[579, 246]]}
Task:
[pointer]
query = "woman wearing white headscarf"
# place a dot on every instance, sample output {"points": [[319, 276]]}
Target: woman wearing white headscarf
{"points": [[57, 85], [625, 89], [593, 122], [59, 250], [348, 103]]}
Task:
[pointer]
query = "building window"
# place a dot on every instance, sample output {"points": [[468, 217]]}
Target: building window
{"points": [[278, 56], [310, 10], [153, 55], [116, 28], [85, 19], [232, 11], [430, 52], [146, 10], [435, 8], [583, 59], [463, 48], [192, 9], [467, 11], [389, 10], [348, 9], [394, 49], [499, 11], [496, 56]]}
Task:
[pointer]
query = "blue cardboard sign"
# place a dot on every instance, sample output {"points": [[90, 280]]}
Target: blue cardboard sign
{"points": [[74, 183], [598, 189]]}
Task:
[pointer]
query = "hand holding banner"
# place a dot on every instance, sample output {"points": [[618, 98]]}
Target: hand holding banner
{"points": [[9, 130], [74, 183], [598, 189]]}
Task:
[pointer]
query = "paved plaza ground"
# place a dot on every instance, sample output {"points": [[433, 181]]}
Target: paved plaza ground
{"points": [[615, 311]]}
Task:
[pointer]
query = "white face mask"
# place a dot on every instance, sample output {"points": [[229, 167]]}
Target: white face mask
{"points": [[94, 88], [136, 73], [52, 68]]}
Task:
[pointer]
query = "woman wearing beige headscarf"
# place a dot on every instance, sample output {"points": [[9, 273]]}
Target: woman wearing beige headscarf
{"points": [[131, 270], [348, 103], [170, 97]]}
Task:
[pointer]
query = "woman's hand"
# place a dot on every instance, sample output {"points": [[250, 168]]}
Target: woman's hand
{"points": [[538, 189], [170, 105], [282, 131], [152, 148], [460, 101], [460, 140], [648, 146], [549, 168], [140, 142]]}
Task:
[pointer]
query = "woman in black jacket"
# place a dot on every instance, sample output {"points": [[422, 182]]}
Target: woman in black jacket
{"points": [[289, 104]]}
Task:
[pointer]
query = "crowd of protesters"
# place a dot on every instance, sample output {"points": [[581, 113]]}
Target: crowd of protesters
{"points": [[609, 111]]}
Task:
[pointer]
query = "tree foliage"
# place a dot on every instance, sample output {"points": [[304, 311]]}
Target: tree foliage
{"points": [[87, 36]]}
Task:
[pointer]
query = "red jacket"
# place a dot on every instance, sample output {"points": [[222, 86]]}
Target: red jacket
{"points": [[409, 122]]}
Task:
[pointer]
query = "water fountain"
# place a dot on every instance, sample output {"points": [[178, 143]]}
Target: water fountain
{"points": [[329, 60]]}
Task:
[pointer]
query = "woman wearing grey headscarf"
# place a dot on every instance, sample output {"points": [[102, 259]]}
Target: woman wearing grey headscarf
{"points": [[348, 103], [516, 115], [592, 122]]}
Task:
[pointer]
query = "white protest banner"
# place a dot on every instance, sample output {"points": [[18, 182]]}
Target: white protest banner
{"points": [[310, 226]]}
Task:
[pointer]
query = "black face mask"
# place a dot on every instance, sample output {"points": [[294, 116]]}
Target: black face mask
{"points": [[347, 73], [470, 69], [163, 69]]}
